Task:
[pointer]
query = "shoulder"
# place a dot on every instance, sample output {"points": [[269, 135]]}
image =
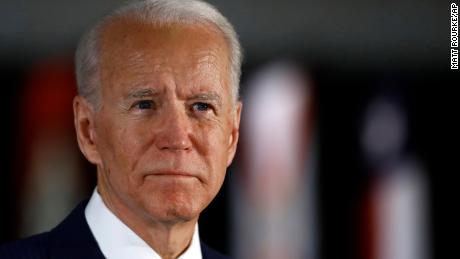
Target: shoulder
{"points": [[35, 247], [72, 238], [209, 253]]}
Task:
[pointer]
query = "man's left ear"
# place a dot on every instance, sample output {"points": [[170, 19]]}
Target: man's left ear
{"points": [[234, 135]]}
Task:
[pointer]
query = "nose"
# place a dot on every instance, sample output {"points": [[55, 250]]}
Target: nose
{"points": [[174, 131]]}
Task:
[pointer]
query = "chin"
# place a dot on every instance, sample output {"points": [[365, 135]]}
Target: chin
{"points": [[172, 214], [175, 207]]}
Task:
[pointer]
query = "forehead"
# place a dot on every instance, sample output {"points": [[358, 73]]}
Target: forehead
{"points": [[129, 47], [127, 30]]}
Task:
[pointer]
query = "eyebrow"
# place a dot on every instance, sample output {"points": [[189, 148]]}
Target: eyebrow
{"points": [[141, 93], [211, 96]]}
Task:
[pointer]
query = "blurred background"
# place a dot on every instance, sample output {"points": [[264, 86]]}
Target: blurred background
{"points": [[345, 111]]}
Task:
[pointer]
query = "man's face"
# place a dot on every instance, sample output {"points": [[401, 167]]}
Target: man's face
{"points": [[167, 128]]}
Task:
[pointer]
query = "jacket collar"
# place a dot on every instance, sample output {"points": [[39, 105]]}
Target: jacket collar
{"points": [[72, 238]]}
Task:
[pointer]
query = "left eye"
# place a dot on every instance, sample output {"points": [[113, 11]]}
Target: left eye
{"points": [[201, 106], [144, 105]]}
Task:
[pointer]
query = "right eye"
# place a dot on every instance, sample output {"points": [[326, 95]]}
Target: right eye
{"points": [[144, 105]]}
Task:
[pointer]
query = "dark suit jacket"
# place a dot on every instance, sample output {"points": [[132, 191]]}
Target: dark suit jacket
{"points": [[72, 238]]}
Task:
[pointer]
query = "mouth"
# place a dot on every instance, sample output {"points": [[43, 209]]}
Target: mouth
{"points": [[172, 173]]}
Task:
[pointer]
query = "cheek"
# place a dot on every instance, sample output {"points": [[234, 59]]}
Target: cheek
{"points": [[210, 140], [120, 146], [214, 144]]}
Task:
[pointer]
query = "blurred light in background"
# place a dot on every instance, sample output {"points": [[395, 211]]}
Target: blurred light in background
{"points": [[48, 169], [396, 211], [273, 193]]}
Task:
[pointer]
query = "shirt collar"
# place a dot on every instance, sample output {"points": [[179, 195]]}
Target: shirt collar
{"points": [[118, 241]]}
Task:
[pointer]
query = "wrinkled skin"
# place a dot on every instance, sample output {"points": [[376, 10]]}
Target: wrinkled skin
{"points": [[167, 127]]}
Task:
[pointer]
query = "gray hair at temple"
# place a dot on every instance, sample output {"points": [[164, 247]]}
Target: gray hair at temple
{"points": [[160, 12]]}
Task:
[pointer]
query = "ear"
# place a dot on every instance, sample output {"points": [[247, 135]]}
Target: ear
{"points": [[84, 125], [233, 138]]}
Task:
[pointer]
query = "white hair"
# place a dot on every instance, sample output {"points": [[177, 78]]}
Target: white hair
{"points": [[161, 12]]}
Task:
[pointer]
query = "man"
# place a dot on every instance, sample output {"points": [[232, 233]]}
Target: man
{"points": [[158, 114]]}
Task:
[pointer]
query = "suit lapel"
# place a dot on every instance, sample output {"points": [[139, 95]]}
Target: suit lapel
{"points": [[209, 253], [73, 238]]}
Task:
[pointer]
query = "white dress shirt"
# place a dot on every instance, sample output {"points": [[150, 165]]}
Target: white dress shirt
{"points": [[118, 241]]}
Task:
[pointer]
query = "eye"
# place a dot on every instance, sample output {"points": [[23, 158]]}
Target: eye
{"points": [[144, 105], [201, 107]]}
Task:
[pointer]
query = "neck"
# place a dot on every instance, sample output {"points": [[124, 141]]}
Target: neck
{"points": [[169, 239]]}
